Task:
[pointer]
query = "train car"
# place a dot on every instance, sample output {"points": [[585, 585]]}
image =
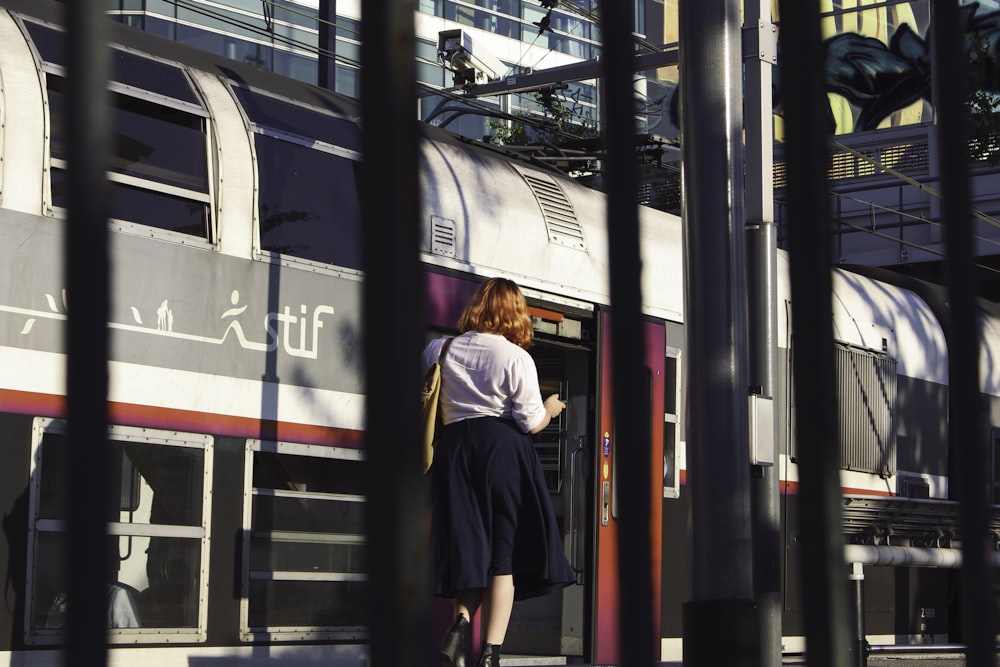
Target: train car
{"points": [[236, 392]]}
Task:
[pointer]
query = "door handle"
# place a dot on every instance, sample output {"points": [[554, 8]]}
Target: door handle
{"points": [[574, 512]]}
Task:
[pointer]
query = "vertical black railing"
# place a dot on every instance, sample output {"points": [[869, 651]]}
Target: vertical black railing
{"points": [[631, 418], [967, 432], [87, 280], [393, 334], [824, 586], [715, 308]]}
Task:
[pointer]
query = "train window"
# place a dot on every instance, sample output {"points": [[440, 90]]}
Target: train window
{"points": [[308, 203], [308, 200], [157, 528], [159, 170], [304, 548], [145, 74], [131, 70], [671, 422], [286, 118], [51, 44]]}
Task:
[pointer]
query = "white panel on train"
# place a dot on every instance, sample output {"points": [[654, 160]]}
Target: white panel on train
{"points": [[878, 316], [23, 122], [484, 214]]}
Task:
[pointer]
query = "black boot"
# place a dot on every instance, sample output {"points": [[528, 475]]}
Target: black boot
{"points": [[490, 656], [456, 643]]}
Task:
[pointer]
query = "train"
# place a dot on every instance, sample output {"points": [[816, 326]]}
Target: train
{"points": [[236, 394]]}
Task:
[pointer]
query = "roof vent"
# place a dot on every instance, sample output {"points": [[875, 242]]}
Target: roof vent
{"points": [[560, 218], [442, 236]]}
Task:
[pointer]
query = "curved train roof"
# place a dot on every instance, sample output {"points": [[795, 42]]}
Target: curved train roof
{"points": [[483, 211]]}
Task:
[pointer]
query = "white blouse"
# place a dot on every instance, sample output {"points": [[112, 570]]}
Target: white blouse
{"points": [[486, 375]]}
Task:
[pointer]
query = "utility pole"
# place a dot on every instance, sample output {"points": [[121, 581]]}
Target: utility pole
{"points": [[760, 54]]}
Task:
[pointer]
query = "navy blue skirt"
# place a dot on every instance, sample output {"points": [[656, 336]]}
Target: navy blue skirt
{"points": [[491, 512]]}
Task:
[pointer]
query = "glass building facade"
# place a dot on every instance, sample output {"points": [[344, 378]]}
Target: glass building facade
{"points": [[285, 36]]}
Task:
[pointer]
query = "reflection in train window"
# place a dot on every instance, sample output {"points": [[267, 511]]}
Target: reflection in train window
{"points": [[304, 548], [308, 203], [126, 68], [307, 162], [156, 529], [159, 169], [278, 116]]}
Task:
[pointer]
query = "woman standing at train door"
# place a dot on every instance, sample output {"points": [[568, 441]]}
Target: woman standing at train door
{"points": [[494, 536]]}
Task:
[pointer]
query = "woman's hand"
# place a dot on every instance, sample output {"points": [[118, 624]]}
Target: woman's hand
{"points": [[553, 406]]}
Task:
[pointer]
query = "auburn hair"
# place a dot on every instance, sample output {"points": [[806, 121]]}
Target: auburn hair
{"points": [[498, 307]]}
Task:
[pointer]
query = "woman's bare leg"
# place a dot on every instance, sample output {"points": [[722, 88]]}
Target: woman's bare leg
{"points": [[497, 606]]}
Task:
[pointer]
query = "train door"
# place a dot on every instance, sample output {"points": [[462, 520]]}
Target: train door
{"points": [[605, 645], [556, 625], [578, 454]]}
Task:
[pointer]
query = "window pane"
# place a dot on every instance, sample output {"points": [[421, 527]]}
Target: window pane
{"points": [[159, 143], [301, 556], [167, 598], [309, 204], [50, 43], [48, 594], [171, 598], [306, 544], [165, 482], [311, 515], [292, 119], [145, 207], [308, 474], [153, 578], [126, 68], [308, 603], [347, 81], [234, 48], [298, 67], [146, 74]]}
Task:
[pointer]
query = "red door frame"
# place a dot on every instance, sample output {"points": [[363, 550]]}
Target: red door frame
{"points": [[606, 638]]}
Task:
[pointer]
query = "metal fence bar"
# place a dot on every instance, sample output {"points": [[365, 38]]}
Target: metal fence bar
{"points": [[393, 337], [716, 333], [631, 416], [967, 435], [87, 280], [824, 585]]}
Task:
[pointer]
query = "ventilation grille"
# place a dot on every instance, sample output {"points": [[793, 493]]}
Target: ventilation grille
{"points": [[442, 236], [866, 407], [866, 388], [560, 218]]}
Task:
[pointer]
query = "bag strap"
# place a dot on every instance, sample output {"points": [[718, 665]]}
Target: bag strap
{"points": [[444, 350]]}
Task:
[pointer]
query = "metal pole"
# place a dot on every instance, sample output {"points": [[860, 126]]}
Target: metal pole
{"points": [[718, 436], [327, 58], [631, 418], [760, 31], [87, 280], [857, 580], [393, 337], [967, 430], [824, 589]]}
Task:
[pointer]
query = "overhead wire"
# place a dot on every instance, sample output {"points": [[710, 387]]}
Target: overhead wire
{"points": [[571, 7], [267, 33]]}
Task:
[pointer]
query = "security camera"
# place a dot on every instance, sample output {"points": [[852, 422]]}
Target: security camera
{"points": [[470, 64]]}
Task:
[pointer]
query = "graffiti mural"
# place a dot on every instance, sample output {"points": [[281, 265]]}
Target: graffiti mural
{"points": [[871, 78]]}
